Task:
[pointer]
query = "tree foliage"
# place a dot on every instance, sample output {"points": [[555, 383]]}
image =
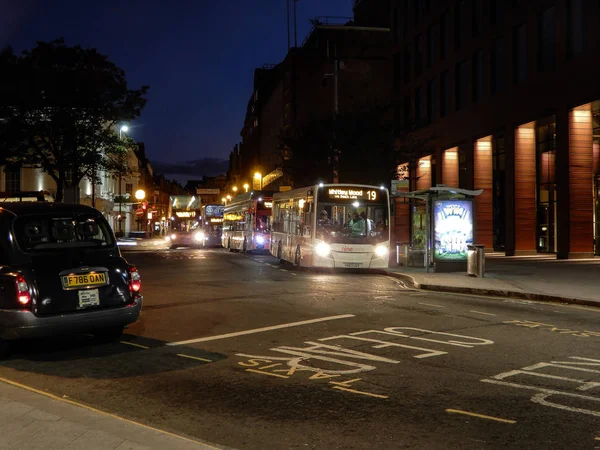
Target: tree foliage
{"points": [[60, 107]]}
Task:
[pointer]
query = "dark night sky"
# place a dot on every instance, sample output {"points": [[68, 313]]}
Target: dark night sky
{"points": [[198, 57]]}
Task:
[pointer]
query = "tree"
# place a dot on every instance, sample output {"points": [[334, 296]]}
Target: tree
{"points": [[60, 107]]}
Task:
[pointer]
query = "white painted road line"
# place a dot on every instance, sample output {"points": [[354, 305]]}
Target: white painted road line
{"points": [[479, 312], [260, 330], [431, 304]]}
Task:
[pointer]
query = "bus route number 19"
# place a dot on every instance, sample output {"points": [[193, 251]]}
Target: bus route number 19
{"points": [[372, 195]]}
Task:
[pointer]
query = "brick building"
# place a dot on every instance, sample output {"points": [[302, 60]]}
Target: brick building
{"points": [[307, 86], [510, 92]]}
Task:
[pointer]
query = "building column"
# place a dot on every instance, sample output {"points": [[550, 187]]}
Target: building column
{"points": [[580, 202], [482, 179], [509, 190], [525, 179], [450, 167]]}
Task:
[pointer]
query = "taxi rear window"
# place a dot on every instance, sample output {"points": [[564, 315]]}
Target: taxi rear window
{"points": [[39, 233]]}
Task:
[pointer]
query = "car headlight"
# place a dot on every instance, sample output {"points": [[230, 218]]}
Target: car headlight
{"points": [[173, 236], [322, 249], [199, 236], [381, 250], [260, 240], [167, 238]]}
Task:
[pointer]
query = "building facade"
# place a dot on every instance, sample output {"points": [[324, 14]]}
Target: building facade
{"points": [[508, 93]]}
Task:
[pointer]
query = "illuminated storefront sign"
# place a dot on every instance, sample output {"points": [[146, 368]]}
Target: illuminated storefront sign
{"points": [[350, 193], [185, 214], [453, 222], [216, 220]]}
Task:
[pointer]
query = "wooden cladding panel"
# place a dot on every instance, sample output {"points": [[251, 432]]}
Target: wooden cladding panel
{"points": [[482, 179], [424, 173], [525, 188], [450, 167], [402, 220], [581, 167]]}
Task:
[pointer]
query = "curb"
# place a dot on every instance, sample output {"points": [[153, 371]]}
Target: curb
{"points": [[491, 292]]}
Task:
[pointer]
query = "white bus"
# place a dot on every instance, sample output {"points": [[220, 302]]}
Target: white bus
{"points": [[247, 222], [332, 225]]}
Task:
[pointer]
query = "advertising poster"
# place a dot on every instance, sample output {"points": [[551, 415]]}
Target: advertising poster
{"points": [[453, 229]]}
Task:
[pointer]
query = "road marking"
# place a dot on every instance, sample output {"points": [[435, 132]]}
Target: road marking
{"points": [[133, 344], [260, 330], [354, 391], [283, 270], [479, 312], [481, 416], [430, 304], [194, 357], [294, 273], [266, 373], [99, 411]]}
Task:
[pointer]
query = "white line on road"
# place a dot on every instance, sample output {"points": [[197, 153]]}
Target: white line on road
{"points": [[260, 330], [479, 312], [431, 304]]}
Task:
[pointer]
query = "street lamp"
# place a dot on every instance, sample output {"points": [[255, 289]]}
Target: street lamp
{"points": [[224, 200], [246, 186], [234, 189], [258, 180], [228, 197], [140, 194], [123, 129]]}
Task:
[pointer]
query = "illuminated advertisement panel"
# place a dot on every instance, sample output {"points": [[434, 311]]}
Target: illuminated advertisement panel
{"points": [[453, 228]]}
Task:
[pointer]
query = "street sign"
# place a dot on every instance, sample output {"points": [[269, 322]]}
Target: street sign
{"points": [[139, 212]]}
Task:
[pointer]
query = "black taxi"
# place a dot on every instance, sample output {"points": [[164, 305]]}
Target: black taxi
{"points": [[61, 272]]}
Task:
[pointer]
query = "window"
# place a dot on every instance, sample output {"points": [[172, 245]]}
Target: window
{"points": [[418, 55], [497, 12], [430, 46], [477, 75], [520, 53], [546, 178], [497, 66], [459, 26], [129, 188], [406, 65], [431, 100], [12, 176], [419, 106], [460, 85], [444, 34], [477, 26], [444, 92], [499, 196], [547, 40], [575, 28]]}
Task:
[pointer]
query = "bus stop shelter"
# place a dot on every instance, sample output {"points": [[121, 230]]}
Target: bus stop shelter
{"points": [[449, 228]]}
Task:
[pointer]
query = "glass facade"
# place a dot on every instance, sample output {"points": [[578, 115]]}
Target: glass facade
{"points": [[546, 184], [499, 196], [596, 172]]}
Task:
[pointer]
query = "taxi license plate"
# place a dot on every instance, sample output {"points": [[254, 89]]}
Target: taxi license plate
{"points": [[89, 297], [83, 280]]}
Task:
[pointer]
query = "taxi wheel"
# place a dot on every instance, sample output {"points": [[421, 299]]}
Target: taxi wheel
{"points": [[229, 246], [112, 334], [244, 247], [297, 258]]}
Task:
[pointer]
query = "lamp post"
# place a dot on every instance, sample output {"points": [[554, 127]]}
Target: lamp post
{"points": [[234, 189], [246, 186], [258, 180], [140, 195], [122, 129]]}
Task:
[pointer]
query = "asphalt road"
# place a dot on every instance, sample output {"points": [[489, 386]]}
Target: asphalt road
{"points": [[243, 352]]}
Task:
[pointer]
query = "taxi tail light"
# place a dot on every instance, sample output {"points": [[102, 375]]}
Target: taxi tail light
{"points": [[135, 281], [22, 289]]}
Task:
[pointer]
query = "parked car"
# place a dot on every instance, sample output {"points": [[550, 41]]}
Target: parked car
{"points": [[62, 272], [192, 238]]}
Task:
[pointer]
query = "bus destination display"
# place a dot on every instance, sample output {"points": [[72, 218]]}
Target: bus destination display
{"points": [[350, 193]]}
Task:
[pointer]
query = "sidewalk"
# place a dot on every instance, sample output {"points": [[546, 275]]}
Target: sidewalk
{"points": [[31, 420], [532, 278]]}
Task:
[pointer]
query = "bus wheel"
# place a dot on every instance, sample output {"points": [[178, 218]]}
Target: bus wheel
{"points": [[244, 248], [229, 245], [279, 253], [297, 257]]}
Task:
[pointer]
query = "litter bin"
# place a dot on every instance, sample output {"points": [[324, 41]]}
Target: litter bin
{"points": [[476, 260]]}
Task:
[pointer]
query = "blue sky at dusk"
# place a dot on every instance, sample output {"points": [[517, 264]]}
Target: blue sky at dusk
{"points": [[198, 57]]}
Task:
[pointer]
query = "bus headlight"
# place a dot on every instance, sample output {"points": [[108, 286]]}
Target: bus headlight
{"points": [[381, 250], [173, 236], [167, 238], [322, 249], [199, 236], [260, 240]]}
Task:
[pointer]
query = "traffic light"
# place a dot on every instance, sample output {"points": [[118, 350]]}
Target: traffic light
{"points": [[144, 206]]}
